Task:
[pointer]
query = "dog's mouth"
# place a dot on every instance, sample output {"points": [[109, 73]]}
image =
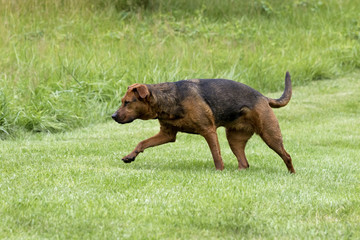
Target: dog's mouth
{"points": [[124, 122], [116, 118]]}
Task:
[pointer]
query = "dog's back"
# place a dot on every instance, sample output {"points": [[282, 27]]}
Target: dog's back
{"points": [[226, 98]]}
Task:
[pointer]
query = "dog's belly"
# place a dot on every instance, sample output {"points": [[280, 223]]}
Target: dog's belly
{"points": [[183, 125]]}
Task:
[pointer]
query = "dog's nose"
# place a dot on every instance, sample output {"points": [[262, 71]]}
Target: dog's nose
{"points": [[113, 116]]}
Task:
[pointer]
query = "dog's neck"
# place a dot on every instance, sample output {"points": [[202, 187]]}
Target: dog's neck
{"points": [[163, 101]]}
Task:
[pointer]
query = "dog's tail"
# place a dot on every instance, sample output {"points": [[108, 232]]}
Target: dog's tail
{"points": [[285, 97]]}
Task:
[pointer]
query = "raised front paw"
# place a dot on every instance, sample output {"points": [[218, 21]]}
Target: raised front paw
{"points": [[129, 158]]}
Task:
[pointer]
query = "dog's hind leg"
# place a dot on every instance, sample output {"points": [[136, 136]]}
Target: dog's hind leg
{"points": [[271, 134], [237, 140]]}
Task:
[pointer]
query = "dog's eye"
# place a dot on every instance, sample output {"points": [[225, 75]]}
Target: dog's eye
{"points": [[126, 102]]}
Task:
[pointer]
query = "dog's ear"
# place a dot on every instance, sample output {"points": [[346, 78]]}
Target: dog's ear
{"points": [[142, 90]]}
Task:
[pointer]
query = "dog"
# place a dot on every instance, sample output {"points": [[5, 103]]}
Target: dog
{"points": [[200, 106]]}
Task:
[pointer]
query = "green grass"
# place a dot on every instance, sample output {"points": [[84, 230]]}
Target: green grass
{"points": [[74, 185], [65, 64]]}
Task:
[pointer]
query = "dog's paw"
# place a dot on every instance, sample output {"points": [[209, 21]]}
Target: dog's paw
{"points": [[128, 159]]}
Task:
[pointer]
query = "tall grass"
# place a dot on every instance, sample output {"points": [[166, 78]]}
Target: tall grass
{"points": [[65, 64]]}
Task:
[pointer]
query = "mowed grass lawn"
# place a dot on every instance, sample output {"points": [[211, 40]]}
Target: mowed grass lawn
{"points": [[74, 184]]}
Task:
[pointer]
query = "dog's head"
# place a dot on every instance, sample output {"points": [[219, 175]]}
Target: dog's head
{"points": [[135, 105]]}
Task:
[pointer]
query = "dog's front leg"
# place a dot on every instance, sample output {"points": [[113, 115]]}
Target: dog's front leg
{"points": [[213, 142], [164, 136]]}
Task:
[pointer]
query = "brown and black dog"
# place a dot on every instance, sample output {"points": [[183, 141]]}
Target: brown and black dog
{"points": [[200, 106]]}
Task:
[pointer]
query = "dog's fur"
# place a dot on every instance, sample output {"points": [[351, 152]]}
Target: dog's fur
{"points": [[200, 106]]}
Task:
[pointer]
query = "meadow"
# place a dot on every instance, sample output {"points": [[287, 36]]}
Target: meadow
{"points": [[73, 185], [64, 66]]}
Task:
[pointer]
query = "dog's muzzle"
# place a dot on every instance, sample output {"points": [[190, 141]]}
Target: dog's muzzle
{"points": [[121, 120]]}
